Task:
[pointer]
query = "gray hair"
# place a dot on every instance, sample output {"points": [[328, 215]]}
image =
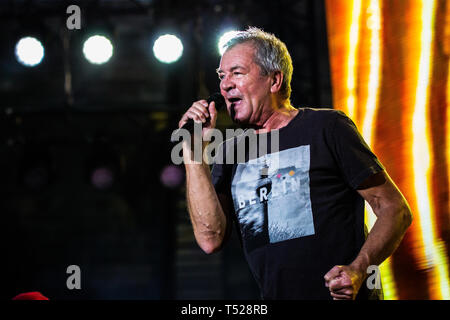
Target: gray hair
{"points": [[271, 54]]}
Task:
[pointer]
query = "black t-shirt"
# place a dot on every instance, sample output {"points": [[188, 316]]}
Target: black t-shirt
{"points": [[297, 210]]}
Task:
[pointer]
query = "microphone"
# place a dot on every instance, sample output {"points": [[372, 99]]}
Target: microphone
{"points": [[219, 102]]}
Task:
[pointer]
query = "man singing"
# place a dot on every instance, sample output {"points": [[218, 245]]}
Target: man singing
{"points": [[300, 218]]}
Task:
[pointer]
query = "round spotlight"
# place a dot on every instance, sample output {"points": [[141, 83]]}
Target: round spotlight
{"points": [[172, 176], [102, 178], [98, 49], [227, 36], [29, 51], [168, 48]]}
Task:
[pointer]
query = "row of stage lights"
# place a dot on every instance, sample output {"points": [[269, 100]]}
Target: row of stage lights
{"points": [[98, 49]]}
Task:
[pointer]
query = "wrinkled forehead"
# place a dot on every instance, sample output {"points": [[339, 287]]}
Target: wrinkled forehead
{"points": [[242, 54]]}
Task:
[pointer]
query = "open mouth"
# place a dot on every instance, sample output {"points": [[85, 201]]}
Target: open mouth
{"points": [[235, 100]]}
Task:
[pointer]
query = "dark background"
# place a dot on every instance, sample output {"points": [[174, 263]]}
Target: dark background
{"points": [[132, 240]]}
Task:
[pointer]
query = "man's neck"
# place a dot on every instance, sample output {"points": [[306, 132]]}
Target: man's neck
{"points": [[278, 118]]}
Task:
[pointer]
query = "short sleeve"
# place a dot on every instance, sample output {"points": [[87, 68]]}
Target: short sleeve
{"points": [[354, 157], [221, 172], [221, 179]]}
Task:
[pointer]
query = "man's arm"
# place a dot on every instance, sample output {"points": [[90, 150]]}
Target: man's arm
{"points": [[393, 218], [206, 213], [205, 210]]}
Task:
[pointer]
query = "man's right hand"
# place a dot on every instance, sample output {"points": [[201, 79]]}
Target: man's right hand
{"points": [[200, 111]]}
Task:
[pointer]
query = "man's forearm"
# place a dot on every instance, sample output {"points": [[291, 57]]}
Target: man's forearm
{"points": [[393, 218], [384, 237], [207, 216]]}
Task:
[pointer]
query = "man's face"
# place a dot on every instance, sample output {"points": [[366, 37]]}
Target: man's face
{"points": [[246, 92]]}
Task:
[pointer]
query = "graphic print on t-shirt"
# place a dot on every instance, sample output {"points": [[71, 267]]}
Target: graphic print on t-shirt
{"points": [[272, 199]]}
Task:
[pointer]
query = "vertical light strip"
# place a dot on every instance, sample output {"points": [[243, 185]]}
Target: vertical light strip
{"points": [[448, 122], [447, 53], [448, 158], [352, 65], [374, 24], [447, 48], [434, 257]]}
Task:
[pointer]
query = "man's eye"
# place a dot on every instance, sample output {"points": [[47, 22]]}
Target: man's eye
{"points": [[221, 76]]}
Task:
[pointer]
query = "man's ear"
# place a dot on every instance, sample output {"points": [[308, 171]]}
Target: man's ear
{"points": [[277, 81]]}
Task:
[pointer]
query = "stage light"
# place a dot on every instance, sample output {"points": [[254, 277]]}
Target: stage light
{"points": [[98, 49], [102, 166], [172, 176], [29, 51], [102, 178], [227, 36], [168, 48]]}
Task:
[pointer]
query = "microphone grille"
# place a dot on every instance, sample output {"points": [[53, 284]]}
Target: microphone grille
{"points": [[218, 99]]}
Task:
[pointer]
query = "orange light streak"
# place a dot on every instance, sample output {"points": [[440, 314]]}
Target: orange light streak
{"points": [[433, 248], [352, 70], [359, 40], [374, 25]]}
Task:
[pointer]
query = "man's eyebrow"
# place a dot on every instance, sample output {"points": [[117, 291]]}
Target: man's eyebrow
{"points": [[218, 70]]}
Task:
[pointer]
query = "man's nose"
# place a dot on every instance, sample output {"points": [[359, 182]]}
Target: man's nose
{"points": [[226, 84]]}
